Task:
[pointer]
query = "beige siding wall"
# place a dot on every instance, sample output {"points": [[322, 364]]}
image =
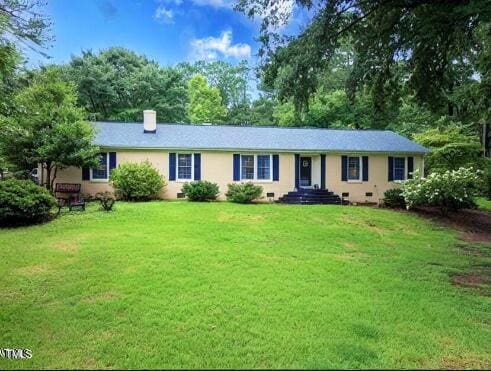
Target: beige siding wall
{"points": [[377, 183], [218, 167]]}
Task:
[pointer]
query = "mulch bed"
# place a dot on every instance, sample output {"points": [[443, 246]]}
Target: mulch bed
{"points": [[474, 225]]}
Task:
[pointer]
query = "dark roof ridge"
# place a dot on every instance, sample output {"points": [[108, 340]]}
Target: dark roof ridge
{"points": [[246, 126]]}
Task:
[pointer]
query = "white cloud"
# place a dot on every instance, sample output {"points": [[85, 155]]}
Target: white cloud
{"points": [[164, 15], [215, 3], [211, 47]]}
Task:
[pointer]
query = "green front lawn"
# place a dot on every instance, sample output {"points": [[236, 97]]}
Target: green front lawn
{"points": [[483, 203], [177, 284]]}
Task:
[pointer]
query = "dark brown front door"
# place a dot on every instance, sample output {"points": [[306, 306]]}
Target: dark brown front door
{"points": [[305, 171]]}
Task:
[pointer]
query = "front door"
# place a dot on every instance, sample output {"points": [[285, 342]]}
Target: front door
{"points": [[305, 171]]}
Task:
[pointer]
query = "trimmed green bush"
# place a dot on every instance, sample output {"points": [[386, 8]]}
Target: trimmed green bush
{"points": [[244, 193], [200, 191], [24, 202], [394, 199], [137, 182]]}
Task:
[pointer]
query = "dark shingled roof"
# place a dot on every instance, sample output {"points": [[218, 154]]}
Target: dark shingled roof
{"points": [[227, 137]]}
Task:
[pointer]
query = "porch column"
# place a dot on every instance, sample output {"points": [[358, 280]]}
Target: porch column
{"points": [[323, 171], [297, 171]]}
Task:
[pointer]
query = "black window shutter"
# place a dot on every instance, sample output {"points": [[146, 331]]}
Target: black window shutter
{"points": [[85, 173], [344, 168], [410, 167], [276, 168], [297, 171], [197, 166], [172, 166], [391, 169], [323, 171], [236, 173], [365, 168], [112, 161]]}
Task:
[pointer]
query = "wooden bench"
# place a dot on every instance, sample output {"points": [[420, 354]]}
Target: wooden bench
{"points": [[69, 194]]}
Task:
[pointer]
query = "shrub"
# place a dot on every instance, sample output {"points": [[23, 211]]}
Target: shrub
{"points": [[137, 182], [394, 199], [487, 180], [449, 190], [106, 199], [243, 193], [24, 202], [200, 191]]}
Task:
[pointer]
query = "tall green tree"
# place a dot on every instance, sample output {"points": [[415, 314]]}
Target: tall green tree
{"points": [[261, 111], [118, 84], [48, 129], [22, 25], [231, 80], [21, 22], [451, 147], [205, 102], [420, 48]]}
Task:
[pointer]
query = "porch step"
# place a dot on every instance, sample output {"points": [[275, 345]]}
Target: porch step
{"points": [[311, 196]]}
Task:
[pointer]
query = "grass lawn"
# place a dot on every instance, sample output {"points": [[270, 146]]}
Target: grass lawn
{"points": [[483, 203], [177, 284]]}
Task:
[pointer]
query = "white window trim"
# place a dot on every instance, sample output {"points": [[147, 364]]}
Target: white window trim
{"points": [[177, 167], [255, 179], [106, 179], [360, 177], [405, 169]]}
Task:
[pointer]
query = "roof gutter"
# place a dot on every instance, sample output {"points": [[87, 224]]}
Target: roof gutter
{"points": [[195, 149]]}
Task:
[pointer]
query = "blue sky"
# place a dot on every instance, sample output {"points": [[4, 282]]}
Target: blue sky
{"points": [[168, 31]]}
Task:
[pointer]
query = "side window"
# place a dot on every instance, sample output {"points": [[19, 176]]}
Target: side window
{"points": [[247, 167], [101, 172], [354, 168], [184, 166], [263, 167], [399, 168]]}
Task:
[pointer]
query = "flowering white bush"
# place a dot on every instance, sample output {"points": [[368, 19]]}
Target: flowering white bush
{"points": [[454, 189]]}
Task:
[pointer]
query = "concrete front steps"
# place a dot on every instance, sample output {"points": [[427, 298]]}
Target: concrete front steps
{"points": [[311, 196]]}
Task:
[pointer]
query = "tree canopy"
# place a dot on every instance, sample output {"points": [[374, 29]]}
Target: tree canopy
{"points": [[427, 49], [205, 102], [48, 128], [118, 84]]}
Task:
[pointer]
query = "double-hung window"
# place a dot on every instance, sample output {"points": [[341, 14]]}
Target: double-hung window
{"points": [[101, 173], [399, 168], [247, 167], [354, 168], [263, 167], [184, 166], [255, 167]]}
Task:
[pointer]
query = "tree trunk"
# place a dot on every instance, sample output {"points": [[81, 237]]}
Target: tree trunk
{"points": [[94, 108], [49, 167], [41, 180], [53, 178]]}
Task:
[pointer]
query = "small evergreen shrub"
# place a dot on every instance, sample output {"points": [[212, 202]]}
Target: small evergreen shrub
{"points": [[200, 191], [106, 199], [24, 202], [394, 199], [137, 182], [244, 193]]}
